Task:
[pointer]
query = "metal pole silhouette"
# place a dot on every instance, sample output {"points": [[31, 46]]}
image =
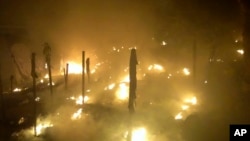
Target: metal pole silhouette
{"points": [[47, 54], [34, 76], [83, 76], [133, 81], [88, 69]]}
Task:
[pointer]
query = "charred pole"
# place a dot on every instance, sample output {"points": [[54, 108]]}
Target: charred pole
{"points": [[66, 74], [11, 84], [34, 76], [83, 76], [133, 81], [88, 69], [47, 54], [2, 97], [194, 64]]}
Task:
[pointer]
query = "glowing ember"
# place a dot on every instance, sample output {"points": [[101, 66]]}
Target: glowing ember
{"points": [[139, 134], [21, 120], [52, 84], [179, 116], [163, 43], [192, 100], [45, 65], [41, 126], [79, 99], [77, 115], [156, 67], [240, 51], [111, 86], [122, 92], [17, 90], [184, 107], [37, 99], [93, 71], [46, 76], [186, 71]]}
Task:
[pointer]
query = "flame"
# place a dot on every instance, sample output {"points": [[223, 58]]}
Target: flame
{"points": [[46, 76], [52, 84], [156, 67], [192, 100], [125, 79], [74, 68], [79, 99], [17, 90], [179, 116], [122, 91], [240, 51], [184, 107], [111, 86], [164, 43], [186, 71], [139, 134], [77, 114], [41, 127], [93, 71]]}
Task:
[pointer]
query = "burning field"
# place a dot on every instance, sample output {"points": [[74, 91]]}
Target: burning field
{"points": [[102, 113], [123, 70]]}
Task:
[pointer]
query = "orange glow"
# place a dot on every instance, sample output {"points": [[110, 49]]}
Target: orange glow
{"points": [[74, 68]]}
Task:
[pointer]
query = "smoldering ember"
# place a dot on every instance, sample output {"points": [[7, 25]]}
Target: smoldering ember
{"points": [[121, 70]]}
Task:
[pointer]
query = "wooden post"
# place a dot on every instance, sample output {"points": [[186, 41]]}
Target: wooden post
{"points": [[133, 81], [83, 75], [194, 65], [34, 76], [47, 53], [66, 74], [1, 96], [11, 84], [88, 69]]}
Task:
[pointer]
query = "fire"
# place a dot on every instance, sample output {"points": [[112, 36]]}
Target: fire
{"points": [[53, 84], [156, 67], [138, 134], [192, 100], [125, 79], [74, 68], [79, 99], [179, 116], [184, 107], [77, 114], [46, 76], [240, 51], [186, 71], [40, 128], [111, 86], [17, 90], [122, 92]]}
